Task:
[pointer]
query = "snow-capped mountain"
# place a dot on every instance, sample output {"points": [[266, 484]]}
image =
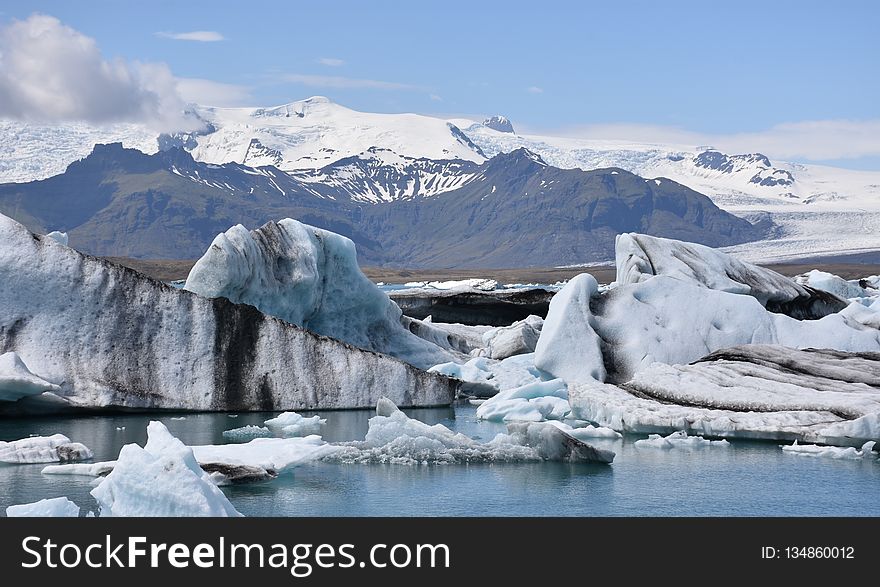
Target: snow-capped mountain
{"points": [[315, 132], [375, 158], [381, 175]]}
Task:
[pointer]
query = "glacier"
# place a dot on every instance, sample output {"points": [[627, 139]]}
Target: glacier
{"points": [[309, 277], [110, 337]]}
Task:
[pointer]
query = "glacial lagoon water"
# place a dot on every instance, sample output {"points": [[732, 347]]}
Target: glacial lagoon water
{"points": [[745, 479]]}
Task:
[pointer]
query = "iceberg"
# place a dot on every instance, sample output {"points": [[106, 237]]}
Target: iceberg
{"points": [[308, 277], [679, 439], [835, 285], [111, 337], [519, 338], [640, 257], [162, 479], [831, 452], [17, 381], [616, 408], [533, 402], [394, 438], [246, 433], [277, 455], [663, 319], [56, 507], [293, 424], [43, 449]]}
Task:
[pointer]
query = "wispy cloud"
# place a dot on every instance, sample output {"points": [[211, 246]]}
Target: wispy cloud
{"points": [[812, 140], [535, 90], [210, 93], [340, 82], [200, 36], [331, 61], [435, 97]]}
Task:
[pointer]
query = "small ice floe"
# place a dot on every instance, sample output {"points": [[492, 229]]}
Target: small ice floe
{"points": [[291, 424], [161, 479], [232, 415], [179, 418], [533, 402], [831, 452], [99, 469], [246, 433], [120, 428], [586, 430], [43, 449], [679, 439], [57, 507], [394, 438], [476, 402]]}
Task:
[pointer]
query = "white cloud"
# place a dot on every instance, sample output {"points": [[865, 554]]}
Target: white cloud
{"points": [[435, 97], [210, 93], [535, 90], [334, 81], [200, 36], [51, 72], [814, 140], [331, 61]]}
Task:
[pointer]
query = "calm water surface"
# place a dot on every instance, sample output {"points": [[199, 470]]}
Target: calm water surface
{"points": [[745, 479]]}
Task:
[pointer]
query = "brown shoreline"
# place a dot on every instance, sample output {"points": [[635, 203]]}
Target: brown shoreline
{"points": [[170, 270]]}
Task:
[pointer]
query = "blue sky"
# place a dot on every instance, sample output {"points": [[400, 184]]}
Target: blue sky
{"points": [[692, 68]]}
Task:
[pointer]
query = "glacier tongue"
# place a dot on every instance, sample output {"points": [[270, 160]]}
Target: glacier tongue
{"points": [[111, 337], [309, 277]]}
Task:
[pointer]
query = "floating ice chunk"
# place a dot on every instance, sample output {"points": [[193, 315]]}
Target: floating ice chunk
{"points": [[616, 408], [397, 439], [161, 479], [486, 377], [533, 402], [587, 432], [17, 381], [864, 427], [57, 507], [553, 443], [98, 469], [246, 433], [831, 452], [59, 237], [43, 449], [272, 454], [462, 284], [679, 439], [293, 424]]}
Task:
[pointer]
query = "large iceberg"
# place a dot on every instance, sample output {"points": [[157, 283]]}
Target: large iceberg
{"points": [[17, 381], [308, 277], [674, 320], [640, 257], [109, 336], [56, 507], [162, 479]]}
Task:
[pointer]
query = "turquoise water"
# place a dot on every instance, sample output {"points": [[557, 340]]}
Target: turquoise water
{"points": [[745, 479]]}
